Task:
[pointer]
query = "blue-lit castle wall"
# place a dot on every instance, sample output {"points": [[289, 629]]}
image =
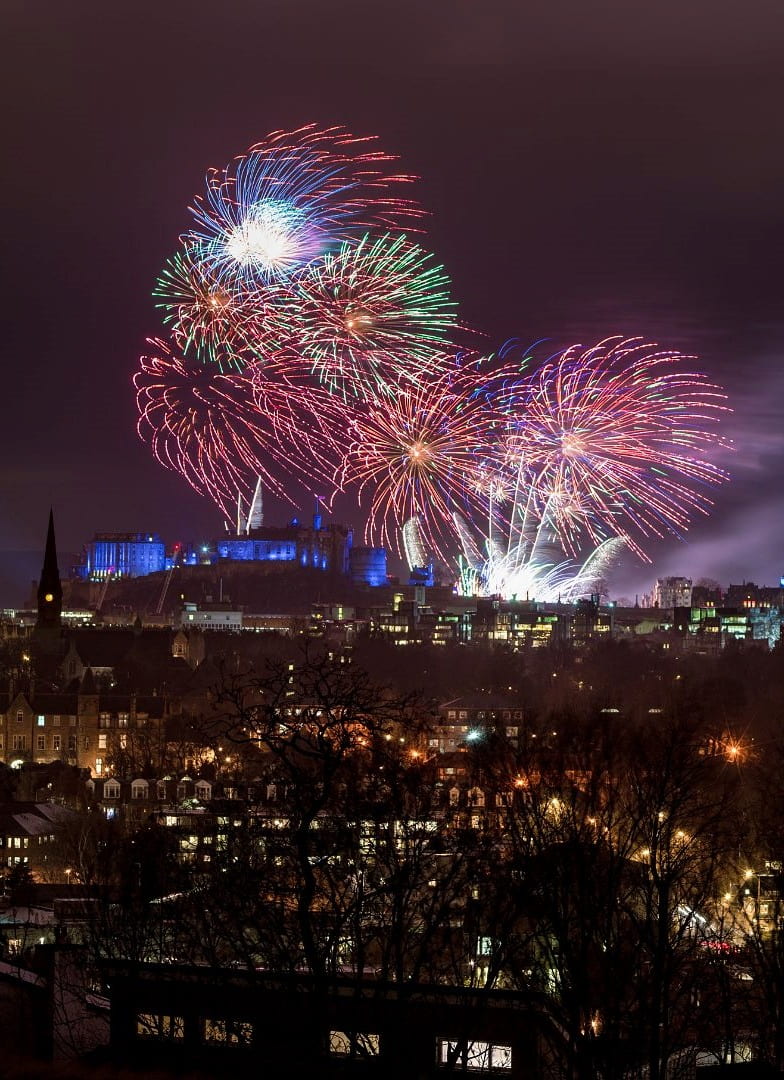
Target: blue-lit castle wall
{"points": [[243, 549], [328, 548], [368, 566], [317, 546], [122, 555]]}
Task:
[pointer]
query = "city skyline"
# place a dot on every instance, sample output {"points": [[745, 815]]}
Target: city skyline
{"points": [[626, 209]]}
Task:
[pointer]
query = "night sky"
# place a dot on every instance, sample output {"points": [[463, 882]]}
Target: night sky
{"points": [[591, 168]]}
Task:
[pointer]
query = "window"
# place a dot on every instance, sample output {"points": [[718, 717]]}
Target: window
{"points": [[161, 789], [19, 716], [157, 1026], [203, 790], [122, 719], [140, 789], [20, 742], [353, 1044], [232, 1032], [86, 743], [40, 721], [55, 742], [98, 766], [111, 791], [56, 721], [1, 740], [40, 742], [474, 1056], [102, 741], [72, 744]]}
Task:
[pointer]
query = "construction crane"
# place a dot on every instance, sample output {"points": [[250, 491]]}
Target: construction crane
{"points": [[102, 595], [164, 589]]}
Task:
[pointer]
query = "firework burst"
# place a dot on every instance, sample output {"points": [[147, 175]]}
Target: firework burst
{"points": [[379, 308], [219, 430], [291, 198], [417, 454], [612, 441], [207, 320]]}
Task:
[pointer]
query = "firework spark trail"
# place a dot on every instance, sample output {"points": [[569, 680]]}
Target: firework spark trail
{"points": [[548, 581], [216, 325], [611, 441], [379, 307], [207, 426], [291, 198], [417, 454]]}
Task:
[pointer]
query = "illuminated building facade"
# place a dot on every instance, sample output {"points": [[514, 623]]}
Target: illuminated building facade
{"points": [[122, 555], [672, 592], [322, 547]]}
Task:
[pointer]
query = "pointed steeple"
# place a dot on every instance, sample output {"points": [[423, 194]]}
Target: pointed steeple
{"points": [[50, 591]]}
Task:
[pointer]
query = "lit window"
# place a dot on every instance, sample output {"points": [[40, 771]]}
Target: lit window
{"points": [[474, 1056], [40, 721], [354, 1044], [231, 1032], [157, 1026]]}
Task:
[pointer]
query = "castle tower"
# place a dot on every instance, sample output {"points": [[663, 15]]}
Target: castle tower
{"points": [[50, 591]]}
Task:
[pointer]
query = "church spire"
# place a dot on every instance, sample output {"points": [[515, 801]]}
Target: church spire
{"points": [[50, 591]]}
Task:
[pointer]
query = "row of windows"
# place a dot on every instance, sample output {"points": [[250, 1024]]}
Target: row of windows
{"points": [[40, 721], [105, 720], [140, 789], [55, 743], [475, 1056], [24, 841], [161, 1026], [481, 714]]}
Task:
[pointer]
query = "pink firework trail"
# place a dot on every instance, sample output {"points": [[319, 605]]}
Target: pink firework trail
{"points": [[613, 440], [420, 453], [218, 430]]}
